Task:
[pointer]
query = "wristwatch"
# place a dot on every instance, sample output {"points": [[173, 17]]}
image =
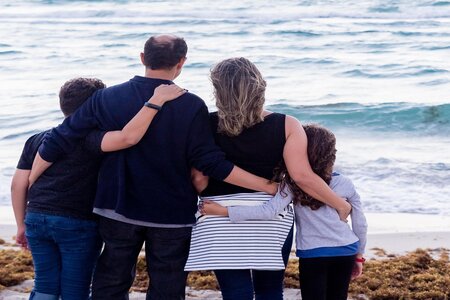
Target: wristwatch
{"points": [[151, 105]]}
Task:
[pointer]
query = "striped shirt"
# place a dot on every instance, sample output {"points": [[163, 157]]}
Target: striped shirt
{"points": [[219, 244]]}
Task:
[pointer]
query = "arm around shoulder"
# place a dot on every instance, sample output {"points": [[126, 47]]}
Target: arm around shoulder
{"points": [[296, 158]]}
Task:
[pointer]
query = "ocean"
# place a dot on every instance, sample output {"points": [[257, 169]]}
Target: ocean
{"points": [[377, 73]]}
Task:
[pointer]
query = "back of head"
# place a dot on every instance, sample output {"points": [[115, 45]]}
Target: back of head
{"points": [[76, 91], [164, 52], [239, 89], [321, 155]]}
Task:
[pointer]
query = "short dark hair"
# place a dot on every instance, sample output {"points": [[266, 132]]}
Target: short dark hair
{"points": [[164, 54], [76, 91]]}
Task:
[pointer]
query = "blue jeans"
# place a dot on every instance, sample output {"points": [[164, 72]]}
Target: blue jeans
{"points": [[64, 253], [266, 285]]}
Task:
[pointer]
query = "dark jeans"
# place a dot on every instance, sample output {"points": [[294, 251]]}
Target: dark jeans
{"points": [[266, 285], [64, 253], [166, 252], [325, 278]]}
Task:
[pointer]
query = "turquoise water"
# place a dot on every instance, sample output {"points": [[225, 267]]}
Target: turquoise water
{"points": [[376, 72]]}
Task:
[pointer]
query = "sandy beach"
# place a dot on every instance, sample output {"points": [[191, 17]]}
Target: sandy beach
{"points": [[395, 234]]}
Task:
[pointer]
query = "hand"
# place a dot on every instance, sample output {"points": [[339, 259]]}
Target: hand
{"points": [[199, 180], [344, 211], [21, 240], [208, 207], [166, 92], [272, 188], [357, 270]]}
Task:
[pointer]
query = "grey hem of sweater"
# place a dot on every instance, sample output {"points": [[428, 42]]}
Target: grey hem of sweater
{"points": [[111, 214]]}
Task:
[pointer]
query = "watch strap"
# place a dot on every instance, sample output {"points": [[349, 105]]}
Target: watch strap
{"points": [[151, 105]]}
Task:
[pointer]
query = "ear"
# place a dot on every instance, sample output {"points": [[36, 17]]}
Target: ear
{"points": [[181, 63], [142, 58]]}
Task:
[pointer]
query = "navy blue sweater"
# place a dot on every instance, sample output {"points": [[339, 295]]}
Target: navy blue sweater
{"points": [[150, 181]]}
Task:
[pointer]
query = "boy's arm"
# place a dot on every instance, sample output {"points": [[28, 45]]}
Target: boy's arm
{"points": [[130, 135], [133, 132], [266, 211], [19, 190]]}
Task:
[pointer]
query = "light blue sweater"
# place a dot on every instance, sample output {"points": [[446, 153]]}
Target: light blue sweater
{"points": [[315, 228]]}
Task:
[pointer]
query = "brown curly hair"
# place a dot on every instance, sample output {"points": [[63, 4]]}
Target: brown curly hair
{"points": [[321, 156], [76, 91]]}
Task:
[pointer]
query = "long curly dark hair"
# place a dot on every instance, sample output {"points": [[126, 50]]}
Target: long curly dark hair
{"points": [[321, 155]]}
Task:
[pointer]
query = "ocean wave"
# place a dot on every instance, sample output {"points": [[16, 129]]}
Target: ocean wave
{"points": [[441, 3], [10, 52], [295, 33], [254, 13], [384, 9], [385, 117], [406, 72]]}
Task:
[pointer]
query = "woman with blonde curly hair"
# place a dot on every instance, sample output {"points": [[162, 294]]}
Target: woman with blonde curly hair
{"points": [[249, 258]]}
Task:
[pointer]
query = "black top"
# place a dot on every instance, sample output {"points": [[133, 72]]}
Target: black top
{"points": [[151, 181], [258, 150], [68, 187]]}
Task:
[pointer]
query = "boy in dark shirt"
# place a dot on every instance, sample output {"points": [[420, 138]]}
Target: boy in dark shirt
{"points": [[59, 225], [60, 228]]}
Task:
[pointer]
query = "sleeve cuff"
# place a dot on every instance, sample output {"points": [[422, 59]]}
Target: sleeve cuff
{"points": [[46, 154], [223, 171]]}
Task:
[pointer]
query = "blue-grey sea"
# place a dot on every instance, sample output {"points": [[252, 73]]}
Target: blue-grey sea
{"points": [[375, 72]]}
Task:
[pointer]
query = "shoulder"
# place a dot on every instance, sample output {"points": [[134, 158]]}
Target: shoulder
{"points": [[214, 117], [189, 103], [30, 149], [36, 139], [196, 100], [341, 184], [292, 123]]}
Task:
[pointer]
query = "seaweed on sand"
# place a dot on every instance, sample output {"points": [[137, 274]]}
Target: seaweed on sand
{"points": [[422, 274], [413, 276], [15, 267]]}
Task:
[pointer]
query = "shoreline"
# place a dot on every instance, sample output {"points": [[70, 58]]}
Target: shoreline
{"points": [[379, 223]]}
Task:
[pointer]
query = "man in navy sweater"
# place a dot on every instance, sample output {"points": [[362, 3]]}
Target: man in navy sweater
{"points": [[145, 193]]}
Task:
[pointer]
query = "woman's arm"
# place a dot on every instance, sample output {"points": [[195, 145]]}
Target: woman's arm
{"points": [[250, 181], [19, 190], [133, 132], [296, 158]]}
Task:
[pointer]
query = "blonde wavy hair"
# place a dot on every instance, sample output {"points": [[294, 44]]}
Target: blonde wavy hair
{"points": [[239, 89]]}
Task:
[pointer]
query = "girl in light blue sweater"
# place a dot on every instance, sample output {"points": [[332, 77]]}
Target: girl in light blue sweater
{"points": [[330, 251]]}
